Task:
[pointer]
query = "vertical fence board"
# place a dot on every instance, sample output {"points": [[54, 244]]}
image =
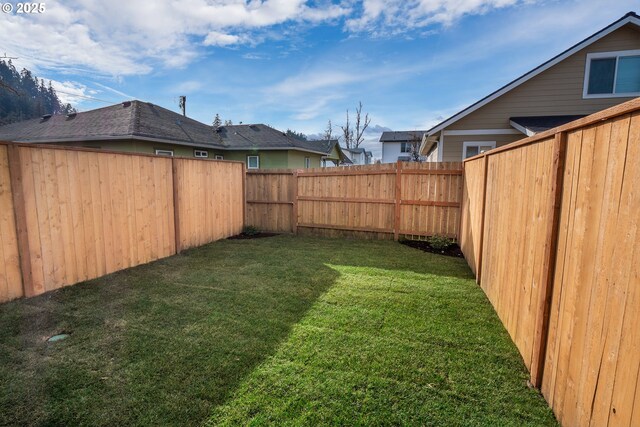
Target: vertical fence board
{"points": [[73, 214], [378, 199], [10, 273], [208, 198], [560, 262]]}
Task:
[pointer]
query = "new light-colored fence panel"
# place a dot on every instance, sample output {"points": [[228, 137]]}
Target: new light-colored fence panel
{"points": [[368, 201], [430, 198], [88, 214], [562, 269], [357, 198], [10, 275], [270, 200], [517, 212], [593, 354], [472, 211], [209, 201]]}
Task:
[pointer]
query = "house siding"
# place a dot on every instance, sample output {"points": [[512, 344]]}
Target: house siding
{"points": [[556, 91], [273, 159], [432, 156], [296, 159], [135, 146], [330, 158], [453, 144], [276, 159], [391, 151], [268, 159]]}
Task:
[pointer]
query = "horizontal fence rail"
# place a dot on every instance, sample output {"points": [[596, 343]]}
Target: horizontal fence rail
{"points": [[70, 215], [549, 226], [387, 201]]}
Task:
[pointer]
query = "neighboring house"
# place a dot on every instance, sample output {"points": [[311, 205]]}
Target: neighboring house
{"points": [[601, 71], [136, 126], [397, 145], [359, 156], [335, 156]]}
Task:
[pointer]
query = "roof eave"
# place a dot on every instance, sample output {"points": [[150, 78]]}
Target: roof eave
{"points": [[627, 19]]}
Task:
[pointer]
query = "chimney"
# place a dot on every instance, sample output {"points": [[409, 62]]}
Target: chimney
{"points": [[183, 105]]}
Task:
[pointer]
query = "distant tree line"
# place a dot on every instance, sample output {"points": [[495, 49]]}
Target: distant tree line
{"points": [[23, 96]]}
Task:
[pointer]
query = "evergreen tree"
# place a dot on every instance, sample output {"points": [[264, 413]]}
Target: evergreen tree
{"points": [[217, 121], [24, 96], [296, 135]]}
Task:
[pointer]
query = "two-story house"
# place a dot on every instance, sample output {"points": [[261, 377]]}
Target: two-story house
{"points": [[599, 72], [400, 145]]}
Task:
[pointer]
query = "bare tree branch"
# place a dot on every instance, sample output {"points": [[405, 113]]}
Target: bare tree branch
{"points": [[361, 126], [415, 147], [347, 133], [328, 132]]}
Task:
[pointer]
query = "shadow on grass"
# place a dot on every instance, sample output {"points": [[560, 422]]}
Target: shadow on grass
{"points": [[166, 342]]}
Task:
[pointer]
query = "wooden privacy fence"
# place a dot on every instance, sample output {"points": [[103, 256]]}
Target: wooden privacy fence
{"points": [[550, 227], [386, 201], [70, 215]]}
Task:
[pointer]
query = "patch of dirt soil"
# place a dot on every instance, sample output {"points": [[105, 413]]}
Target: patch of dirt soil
{"points": [[251, 236], [453, 250]]}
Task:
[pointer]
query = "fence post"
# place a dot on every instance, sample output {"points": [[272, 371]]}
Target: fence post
{"points": [[549, 261], [244, 195], [176, 205], [396, 222], [461, 198], [294, 207], [20, 214], [482, 213]]}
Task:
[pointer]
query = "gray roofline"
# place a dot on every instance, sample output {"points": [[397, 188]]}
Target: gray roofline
{"points": [[164, 141], [630, 17]]}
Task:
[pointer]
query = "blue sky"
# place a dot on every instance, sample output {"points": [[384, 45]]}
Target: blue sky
{"points": [[294, 63]]}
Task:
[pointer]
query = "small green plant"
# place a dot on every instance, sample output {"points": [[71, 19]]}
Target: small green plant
{"points": [[250, 230], [439, 242]]}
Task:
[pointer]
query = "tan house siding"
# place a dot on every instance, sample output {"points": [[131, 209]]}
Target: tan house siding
{"points": [[556, 91], [433, 155], [453, 144]]}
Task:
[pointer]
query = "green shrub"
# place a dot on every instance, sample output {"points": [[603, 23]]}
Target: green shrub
{"points": [[439, 242], [250, 230]]}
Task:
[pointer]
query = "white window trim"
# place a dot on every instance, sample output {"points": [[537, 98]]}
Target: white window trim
{"points": [[408, 145], [164, 152], [466, 144], [587, 70], [219, 157], [196, 152], [258, 162]]}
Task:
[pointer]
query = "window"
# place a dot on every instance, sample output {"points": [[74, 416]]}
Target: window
{"points": [[473, 148], [307, 162], [219, 157], [164, 152], [253, 162], [612, 74], [405, 147], [201, 153]]}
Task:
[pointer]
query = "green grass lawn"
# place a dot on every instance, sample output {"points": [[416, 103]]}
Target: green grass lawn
{"points": [[282, 331]]}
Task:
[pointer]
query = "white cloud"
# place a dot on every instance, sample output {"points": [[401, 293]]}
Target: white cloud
{"points": [[116, 91], [187, 87], [306, 82], [122, 37], [216, 38], [71, 92], [392, 17]]}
